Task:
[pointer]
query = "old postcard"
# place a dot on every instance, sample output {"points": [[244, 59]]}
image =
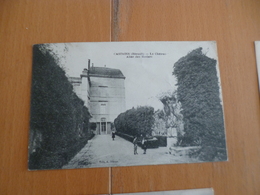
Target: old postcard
{"points": [[113, 104], [205, 191]]}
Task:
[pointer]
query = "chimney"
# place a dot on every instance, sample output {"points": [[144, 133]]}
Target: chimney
{"points": [[92, 65], [88, 64]]}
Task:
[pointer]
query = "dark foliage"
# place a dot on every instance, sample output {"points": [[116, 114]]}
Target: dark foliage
{"points": [[162, 140], [57, 113], [136, 121], [93, 126], [198, 92], [150, 142], [125, 136]]}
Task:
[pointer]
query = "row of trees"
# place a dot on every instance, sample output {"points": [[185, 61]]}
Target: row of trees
{"points": [[136, 121], [59, 120]]}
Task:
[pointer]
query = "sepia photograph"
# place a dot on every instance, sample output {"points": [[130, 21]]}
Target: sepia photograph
{"points": [[204, 191], [110, 104]]}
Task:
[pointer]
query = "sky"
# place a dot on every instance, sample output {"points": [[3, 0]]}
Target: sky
{"points": [[148, 67]]}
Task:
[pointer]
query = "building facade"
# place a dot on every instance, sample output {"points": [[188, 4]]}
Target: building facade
{"points": [[81, 86], [103, 91]]}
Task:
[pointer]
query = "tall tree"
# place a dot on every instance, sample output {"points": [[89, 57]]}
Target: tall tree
{"points": [[58, 115], [173, 116], [199, 94]]}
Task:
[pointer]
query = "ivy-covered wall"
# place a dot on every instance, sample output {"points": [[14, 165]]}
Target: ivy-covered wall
{"points": [[199, 94]]}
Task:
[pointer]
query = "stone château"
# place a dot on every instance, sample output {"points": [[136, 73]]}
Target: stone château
{"points": [[103, 91]]}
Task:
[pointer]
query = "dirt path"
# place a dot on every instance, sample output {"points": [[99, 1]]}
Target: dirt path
{"points": [[102, 151]]}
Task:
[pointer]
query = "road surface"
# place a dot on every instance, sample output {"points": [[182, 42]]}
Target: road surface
{"points": [[102, 151]]}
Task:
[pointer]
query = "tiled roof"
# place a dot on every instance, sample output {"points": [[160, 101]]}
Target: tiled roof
{"points": [[105, 72]]}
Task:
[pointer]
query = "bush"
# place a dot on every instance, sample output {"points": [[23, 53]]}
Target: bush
{"points": [[58, 115], [125, 136], [136, 121], [151, 142], [162, 141]]}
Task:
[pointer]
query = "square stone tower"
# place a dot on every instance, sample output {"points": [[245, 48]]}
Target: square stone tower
{"points": [[103, 91], [107, 96]]}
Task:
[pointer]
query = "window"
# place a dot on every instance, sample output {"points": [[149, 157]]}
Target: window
{"points": [[103, 108]]}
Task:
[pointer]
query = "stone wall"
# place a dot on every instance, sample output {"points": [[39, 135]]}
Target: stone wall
{"points": [[107, 98]]}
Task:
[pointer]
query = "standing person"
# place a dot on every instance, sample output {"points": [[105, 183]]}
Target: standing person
{"points": [[135, 145], [113, 135], [144, 145]]}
